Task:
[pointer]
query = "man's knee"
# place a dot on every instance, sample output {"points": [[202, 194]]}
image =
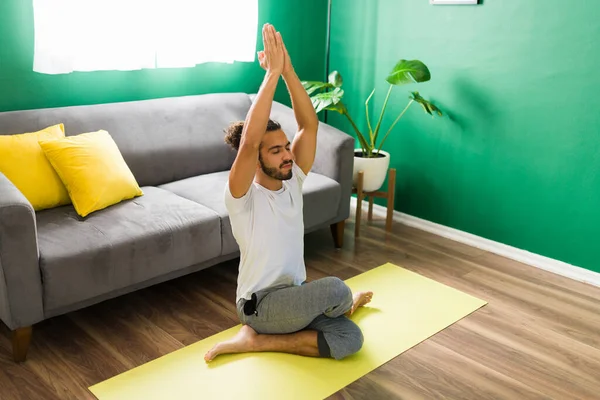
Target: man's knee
{"points": [[339, 289], [349, 343]]}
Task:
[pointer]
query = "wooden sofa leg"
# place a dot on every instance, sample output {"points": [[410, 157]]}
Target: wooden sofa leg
{"points": [[337, 230], [21, 338]]}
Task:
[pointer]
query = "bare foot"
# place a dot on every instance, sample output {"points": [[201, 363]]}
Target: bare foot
{"points": [[359, 299], [240, 343]]}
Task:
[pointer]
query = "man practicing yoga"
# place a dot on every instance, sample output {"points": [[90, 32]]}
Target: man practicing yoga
{"points": [[278, 309]]}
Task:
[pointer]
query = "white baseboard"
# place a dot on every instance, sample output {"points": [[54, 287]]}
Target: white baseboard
{"points": [[535, 260]]}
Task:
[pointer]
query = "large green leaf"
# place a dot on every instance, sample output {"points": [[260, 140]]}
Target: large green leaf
{"points": [[427, 106], [409, 71], [335, 78], [338, 107], [313, 86], [324, 100]]}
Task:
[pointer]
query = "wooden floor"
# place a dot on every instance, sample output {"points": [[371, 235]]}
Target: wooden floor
{"points": [[538, 338]]}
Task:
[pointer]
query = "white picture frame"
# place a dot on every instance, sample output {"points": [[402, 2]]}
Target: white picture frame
{"points": [[455, 2]]}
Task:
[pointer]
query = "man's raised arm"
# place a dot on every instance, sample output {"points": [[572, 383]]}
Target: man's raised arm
{"points": [[304, 146], [244, 167]]}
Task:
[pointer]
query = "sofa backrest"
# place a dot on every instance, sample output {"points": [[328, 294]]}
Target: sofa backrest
{"points": [[162, 140]]}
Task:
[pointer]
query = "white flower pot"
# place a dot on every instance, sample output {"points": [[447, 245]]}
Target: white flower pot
{"points": [[375, 170]]}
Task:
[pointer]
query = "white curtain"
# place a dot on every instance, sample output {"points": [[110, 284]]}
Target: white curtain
{"points": [[96, 35]]}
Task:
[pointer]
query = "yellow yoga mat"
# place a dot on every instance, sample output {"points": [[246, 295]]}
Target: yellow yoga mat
{"points": [[406, 309]]}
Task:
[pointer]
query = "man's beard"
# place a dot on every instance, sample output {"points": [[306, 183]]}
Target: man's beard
{"points": [[276, 173]]}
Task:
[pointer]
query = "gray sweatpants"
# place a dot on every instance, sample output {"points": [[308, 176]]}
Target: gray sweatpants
{"points": [[318, 305]]}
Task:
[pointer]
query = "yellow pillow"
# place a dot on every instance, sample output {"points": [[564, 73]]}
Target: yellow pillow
{"points": [[25, 165], [92, 169]]}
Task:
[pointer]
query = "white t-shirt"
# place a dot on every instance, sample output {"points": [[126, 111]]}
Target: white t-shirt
{"points": [[269, 229]]}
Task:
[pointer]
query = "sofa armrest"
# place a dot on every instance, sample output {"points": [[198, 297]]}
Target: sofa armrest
{"points": [[20, 279], [335, 159]]}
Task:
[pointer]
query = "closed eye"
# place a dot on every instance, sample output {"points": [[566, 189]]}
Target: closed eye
{"points": [[276, 150]]}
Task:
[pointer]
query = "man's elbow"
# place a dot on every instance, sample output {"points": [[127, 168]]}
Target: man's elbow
{"points": [[310, 129], [250, 144], [313, 123]]}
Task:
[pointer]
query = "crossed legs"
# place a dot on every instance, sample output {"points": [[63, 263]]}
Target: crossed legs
{"points": [[309, 320]]}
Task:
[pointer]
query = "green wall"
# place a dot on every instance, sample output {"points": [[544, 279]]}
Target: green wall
{"points": [[21, 88], [518, 159]]}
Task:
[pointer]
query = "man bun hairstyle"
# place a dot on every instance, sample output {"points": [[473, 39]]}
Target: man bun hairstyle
{"points": [[233, 133]]}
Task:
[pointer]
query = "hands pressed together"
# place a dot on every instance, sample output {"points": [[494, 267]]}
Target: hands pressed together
{"points": [[274, 58]]}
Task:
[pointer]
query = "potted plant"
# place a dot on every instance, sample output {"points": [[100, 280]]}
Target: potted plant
{"points": [[370, 157]]}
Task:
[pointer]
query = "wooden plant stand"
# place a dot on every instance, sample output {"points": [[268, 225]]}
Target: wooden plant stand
{"points": [[389, 195]]}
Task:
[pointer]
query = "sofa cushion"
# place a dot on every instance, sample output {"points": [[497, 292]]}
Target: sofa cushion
{"points": [[92, 169], [321, 200], [122, 245], [23, 162], [161, 140], [208, 191]]}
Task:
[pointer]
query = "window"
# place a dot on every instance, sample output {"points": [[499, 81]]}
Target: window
{"points": [[94, 35]]}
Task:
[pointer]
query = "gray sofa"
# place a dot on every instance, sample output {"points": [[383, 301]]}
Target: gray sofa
{"points": [[53, 261]]}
